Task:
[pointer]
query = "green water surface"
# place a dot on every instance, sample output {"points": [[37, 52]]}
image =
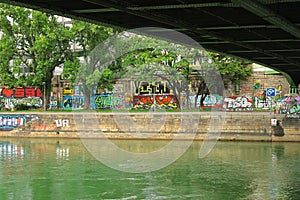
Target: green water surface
{"points": [[63, 169]]}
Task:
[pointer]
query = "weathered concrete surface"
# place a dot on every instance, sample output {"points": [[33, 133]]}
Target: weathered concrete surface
{"points": [[250, 126]]}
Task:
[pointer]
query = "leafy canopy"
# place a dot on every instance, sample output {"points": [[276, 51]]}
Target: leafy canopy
{"points": [[32, 45]]}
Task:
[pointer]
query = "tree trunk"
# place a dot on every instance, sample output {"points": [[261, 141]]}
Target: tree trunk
{"points": [[188, 104], [87, 98], [203, 96], [196, 99], [176, 95], [46, 93]]}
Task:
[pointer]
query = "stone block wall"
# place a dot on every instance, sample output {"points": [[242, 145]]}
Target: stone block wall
{"points": [[233, 126], [266, 81], [291, 126]]}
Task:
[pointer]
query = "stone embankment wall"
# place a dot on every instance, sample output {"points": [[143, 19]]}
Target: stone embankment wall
{"points": [[232, 126]]}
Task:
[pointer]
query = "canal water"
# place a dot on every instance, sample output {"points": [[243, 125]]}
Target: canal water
{"points": [[63, 169]]}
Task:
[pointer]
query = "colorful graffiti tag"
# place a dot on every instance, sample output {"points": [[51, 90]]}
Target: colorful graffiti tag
{"points": [[280, 105], [20, 92], [10, 122], [62, 123], [98, 101], [146, 102], [111, 101], [26, 102], [211, 102], [295, 109], [143, 88], [103, 101], [73, 102], [242, 103], [262, 102], [294, 105]]}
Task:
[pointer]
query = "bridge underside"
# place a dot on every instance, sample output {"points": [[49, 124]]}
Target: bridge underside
{"points": [[263, 31]]}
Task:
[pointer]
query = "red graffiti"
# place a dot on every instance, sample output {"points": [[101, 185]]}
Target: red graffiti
{"points": [[21, 92], [166, 99], [161, 102], [38, 126], [146, 100]]}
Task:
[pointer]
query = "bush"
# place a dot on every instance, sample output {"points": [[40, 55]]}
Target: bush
{"points": [[22, 107]]}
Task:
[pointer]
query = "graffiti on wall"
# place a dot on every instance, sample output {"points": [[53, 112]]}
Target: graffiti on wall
{"points": [[240, 103], [280, 105], [211, 102], [31, 102], [103, 101], [54, 103], [262, 102], [295, 109], [67, 102], [62, 123], [28, 102], [168, 101], [110, 101], [98, 101], [123, 101], [20, 92], [146, 102], [73, 102], [39, 125], [294, 105], [142, 87], [10, 122]]}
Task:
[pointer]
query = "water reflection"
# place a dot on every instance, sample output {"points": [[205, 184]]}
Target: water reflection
{"points": [[10, 151], [64, 169]]}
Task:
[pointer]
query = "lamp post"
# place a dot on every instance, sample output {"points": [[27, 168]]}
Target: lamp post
{"points": [[57, 72], [44, 94]]}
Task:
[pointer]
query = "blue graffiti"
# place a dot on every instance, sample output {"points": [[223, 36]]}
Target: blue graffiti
{"points": [[10, 122], [73, 102], [109, 101]]}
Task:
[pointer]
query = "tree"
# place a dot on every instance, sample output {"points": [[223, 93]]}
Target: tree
{"points": [[232, 68], [152, 59], [172, 63], [31, 46], [89, 75]]}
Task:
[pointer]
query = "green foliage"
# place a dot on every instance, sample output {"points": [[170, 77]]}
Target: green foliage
{"points": [[149, 58], [33, 40], [32, 45], [232, 68], [87, 37]]}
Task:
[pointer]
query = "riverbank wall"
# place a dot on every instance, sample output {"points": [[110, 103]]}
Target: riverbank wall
{"points": [[247, 126]]}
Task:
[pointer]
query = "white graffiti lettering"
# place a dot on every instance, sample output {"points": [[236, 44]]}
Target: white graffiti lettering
{"points": [[62, 123]]}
